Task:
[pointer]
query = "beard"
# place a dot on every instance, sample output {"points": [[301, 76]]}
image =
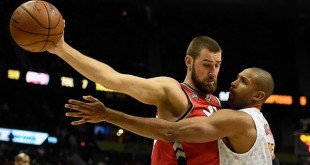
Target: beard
{"points": [[208, 89]]}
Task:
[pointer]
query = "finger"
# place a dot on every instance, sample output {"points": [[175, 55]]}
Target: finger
{"points": [[75, 114], [77, 102], [79, 122], [90, 98], [74, 107]]}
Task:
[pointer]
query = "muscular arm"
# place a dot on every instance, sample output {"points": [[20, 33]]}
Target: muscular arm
{"points": [[150, 91], [197, 129], [221, 124]]}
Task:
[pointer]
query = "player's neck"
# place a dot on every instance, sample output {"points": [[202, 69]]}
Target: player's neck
{"points": [[258, 107]]}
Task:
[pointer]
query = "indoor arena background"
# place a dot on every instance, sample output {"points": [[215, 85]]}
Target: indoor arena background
{"points": [[149, 38]]}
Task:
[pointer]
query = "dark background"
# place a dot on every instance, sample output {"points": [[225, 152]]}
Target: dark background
{"points": [[151, 41]]}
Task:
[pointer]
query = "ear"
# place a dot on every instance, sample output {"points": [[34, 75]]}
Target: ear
{"points": [[189, 62], [260, 96]]}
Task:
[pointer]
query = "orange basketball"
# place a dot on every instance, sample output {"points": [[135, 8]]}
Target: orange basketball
{"points": [[36, 25]]}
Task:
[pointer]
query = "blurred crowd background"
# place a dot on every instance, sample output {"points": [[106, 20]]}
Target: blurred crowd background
{"points": [[149, 38]]}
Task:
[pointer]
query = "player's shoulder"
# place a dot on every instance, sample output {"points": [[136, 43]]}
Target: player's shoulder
{"points": [[169, 84], [235, 118], [234, 114], [167, 78]]}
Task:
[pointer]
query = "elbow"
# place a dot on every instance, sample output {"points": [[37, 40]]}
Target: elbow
{"points": [[169, 136], [167, 132]]}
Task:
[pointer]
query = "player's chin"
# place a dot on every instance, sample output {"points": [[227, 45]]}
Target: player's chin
{"points": [[231, 97], [209, 89]]}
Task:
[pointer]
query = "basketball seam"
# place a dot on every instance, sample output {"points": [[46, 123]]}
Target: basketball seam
{"points": [[51, 10], [34, 32], [49, 22], [37, 42], [49, 25], [33, 17], [48, 15]]}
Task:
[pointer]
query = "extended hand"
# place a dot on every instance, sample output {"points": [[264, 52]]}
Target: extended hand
{"points": [[58, 45], [93, 111]]}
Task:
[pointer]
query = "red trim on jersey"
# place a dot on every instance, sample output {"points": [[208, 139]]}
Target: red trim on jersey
{"points": [[195, 153]]}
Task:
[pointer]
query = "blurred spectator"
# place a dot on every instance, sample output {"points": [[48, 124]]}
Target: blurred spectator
{"points": [[305, 125], [22, 159]]}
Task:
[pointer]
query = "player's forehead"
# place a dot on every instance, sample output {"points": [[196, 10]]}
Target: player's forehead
{"points": [[247, 74], [207, 55]]}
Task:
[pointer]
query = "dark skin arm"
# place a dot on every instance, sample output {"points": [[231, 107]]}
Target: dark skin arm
{"points": [[224, 123], [237, 126]]}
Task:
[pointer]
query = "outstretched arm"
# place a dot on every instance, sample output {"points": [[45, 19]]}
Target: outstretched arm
{"points": [[94, 111], [149, 91], [196, 129]]}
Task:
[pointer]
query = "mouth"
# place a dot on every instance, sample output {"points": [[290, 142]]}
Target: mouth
{"points": [[230, 96], [231, 92], [210, 82]]}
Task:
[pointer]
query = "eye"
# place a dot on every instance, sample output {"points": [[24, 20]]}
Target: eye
{"points": [[244, 81], [206, 65]]}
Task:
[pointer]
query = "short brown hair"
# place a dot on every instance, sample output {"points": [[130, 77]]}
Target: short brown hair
{"points": [[200, 42]]}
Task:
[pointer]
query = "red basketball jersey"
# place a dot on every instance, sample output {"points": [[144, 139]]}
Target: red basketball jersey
{"points": [[173, 153]]}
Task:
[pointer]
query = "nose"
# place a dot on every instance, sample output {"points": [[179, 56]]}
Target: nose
{"points": [[212, 71], [233, 84], [211, 74]]}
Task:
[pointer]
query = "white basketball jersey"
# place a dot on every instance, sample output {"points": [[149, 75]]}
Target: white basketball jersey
{"points": [[261, 152]]}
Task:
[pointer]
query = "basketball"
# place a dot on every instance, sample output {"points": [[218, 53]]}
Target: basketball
{"points": [[36, 25]]}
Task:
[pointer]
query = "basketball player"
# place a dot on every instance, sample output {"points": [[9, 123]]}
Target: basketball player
{"points": [[244, 134], [174, 100], [22, 159]]}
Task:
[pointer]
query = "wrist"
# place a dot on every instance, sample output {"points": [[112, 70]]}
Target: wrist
{"points": [[112, 116], [108, 115]]}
